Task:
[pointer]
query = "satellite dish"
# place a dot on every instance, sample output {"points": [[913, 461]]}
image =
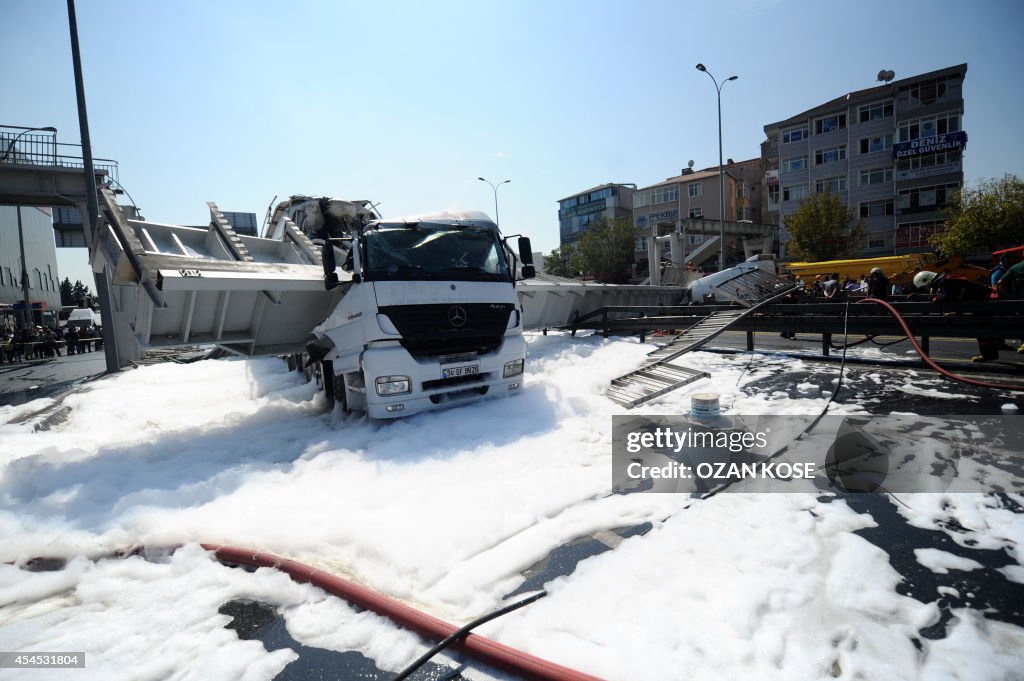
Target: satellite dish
{"points": [[689, 164], [886, 76]]}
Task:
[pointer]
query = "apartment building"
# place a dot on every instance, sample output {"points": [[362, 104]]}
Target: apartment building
{"points": [[576, 212], [893, 153]]}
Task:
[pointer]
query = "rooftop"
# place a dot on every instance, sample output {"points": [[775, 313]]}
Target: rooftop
{"points": [[874, 92]]}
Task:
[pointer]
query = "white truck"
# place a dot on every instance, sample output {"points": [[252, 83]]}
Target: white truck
{"points": [[429, 317]]}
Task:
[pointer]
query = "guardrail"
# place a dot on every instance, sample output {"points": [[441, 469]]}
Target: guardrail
{"points": [[35, 147]]}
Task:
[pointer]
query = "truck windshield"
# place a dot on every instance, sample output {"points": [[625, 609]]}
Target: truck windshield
{"points": [[430, 252]]}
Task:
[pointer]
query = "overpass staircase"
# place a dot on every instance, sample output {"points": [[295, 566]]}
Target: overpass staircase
{"points": [[660, 374]]}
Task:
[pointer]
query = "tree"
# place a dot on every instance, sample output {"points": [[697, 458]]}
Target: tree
{"points": [[67, 297], [606, 249], [824, 229], [79, 291], [984, 218], [559, 262]]}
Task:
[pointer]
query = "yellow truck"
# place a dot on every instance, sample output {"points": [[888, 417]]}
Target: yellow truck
{"points": [[900, 269]]}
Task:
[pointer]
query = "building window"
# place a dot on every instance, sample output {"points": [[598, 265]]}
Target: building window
{"points": [[641, 199], [794, 192], [926, 198], [696, 212], [929, 126], [877, 209], [937, 162], [773, 195], [794, 163], [915, 234], [875, 176], [830, 154], [869, 145], [928, 91], [831, 184], [871, 112], [695, 239], [695, 189], [603, 194], [829, 124], [876, 241], [794, 134], [741, 189], [641, 245], [666, 194], [569, 203]]}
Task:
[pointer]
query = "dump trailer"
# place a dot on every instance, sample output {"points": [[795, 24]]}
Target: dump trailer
{"points": [[900, 269]]}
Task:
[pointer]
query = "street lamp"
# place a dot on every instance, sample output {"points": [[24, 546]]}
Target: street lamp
{"points": [[721, 172], [10, 147], [494, 187]]}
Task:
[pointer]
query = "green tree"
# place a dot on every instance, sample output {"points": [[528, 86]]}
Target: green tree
{"points": [[79, 291], [984, 218], [824, 229], [606, 249], [559, 262], [67, 296]]}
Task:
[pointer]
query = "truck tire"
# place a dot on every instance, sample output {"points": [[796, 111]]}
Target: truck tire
{"points": [[333, 386], [327, 375], [340, 396]]}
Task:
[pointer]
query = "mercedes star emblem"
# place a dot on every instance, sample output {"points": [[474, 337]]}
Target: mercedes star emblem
{"points": [[456, 315]]}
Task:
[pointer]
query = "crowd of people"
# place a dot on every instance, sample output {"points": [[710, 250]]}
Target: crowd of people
{"points": [[38, 342], [1006, 282]]}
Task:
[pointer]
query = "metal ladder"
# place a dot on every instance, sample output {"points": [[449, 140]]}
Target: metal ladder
{"points": [[658, 375], [651, 381]]}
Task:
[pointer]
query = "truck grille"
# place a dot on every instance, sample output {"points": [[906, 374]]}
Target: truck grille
{"points": [[447, 328]]}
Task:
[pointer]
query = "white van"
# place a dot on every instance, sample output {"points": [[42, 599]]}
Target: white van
{"points": [[83, 317]]}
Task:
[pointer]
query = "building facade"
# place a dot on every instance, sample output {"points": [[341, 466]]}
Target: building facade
{"points": [[576, 212], [689, 202], [41, 255], [893, 153]]}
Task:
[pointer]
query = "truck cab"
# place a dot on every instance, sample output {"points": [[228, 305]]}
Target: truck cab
{"points": [[430, 316]]}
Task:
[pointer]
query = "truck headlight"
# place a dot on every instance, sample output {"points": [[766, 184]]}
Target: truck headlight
{"points": [[513, 368], [392, 385]]}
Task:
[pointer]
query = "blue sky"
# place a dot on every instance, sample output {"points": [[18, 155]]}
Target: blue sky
{"points": [[407, 103]]}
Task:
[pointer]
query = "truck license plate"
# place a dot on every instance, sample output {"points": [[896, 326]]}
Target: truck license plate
{"points": [[457, 372]]}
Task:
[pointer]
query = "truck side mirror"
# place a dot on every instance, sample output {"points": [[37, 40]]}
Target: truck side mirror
{"points": [[330, 264], [525, 253], [526, 258], [527, 270]]}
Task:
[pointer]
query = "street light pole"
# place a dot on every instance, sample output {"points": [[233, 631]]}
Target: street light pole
{"points": [[721, 171], [494, 187]]}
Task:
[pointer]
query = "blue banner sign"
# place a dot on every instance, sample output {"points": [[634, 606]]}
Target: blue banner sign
{"points": [[950, 141]]}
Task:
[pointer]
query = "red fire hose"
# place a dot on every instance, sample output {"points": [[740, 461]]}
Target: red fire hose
{"points": [[476, 646], [928, 360]]}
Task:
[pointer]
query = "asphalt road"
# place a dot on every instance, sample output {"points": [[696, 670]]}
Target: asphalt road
{"points": [[26, 381]]}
